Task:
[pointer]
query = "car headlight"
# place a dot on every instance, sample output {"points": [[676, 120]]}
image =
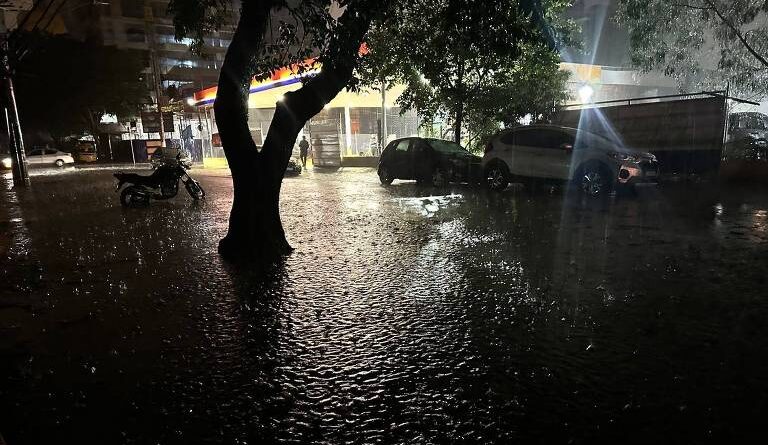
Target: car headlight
{"points": [[625, 157], [7, 162]]}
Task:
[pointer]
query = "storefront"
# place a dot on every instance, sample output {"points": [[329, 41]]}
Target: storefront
{"points": [[351, 130]]}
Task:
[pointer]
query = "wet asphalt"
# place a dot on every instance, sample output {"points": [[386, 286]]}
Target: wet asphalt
{"points": [[406, 314]]}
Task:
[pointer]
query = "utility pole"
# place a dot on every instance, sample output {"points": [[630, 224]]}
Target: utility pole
{"points": [[150, 28], [158, 89], [16, 139], [109, 144], [384, 133], [132, 137]]}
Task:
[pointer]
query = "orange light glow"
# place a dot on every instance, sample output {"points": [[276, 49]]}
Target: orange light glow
{"points": [[280, 77]]}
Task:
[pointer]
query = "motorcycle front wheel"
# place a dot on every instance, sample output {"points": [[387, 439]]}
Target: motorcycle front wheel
{"points": [[132, 197], [195, 190]]}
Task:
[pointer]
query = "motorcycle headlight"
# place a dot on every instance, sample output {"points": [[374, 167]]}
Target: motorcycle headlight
{"points": [[7, 162], [625, 157]]}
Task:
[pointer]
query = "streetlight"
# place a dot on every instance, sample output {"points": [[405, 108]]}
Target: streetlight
{"points": [[585, 93]]}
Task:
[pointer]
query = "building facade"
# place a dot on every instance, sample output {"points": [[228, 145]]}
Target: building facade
{"points": [[351, 130], [145, 25], [602, 66], [172, 72]]}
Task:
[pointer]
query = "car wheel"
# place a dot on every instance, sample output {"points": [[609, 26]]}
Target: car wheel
{"points": [[385, 176], [59, 163], [497, 176], [595, 180]]}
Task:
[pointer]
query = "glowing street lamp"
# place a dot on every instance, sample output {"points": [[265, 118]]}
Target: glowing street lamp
{"points": [[585, 93]]}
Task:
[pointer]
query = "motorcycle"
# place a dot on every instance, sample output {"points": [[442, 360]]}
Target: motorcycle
{"points": [[162, 184]]}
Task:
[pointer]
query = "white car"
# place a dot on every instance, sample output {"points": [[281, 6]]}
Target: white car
{"points": [[49, 156], [594, 163]]}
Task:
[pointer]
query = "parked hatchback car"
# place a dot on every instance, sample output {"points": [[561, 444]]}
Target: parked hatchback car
{"points": [[594, 163], [49, 156], [427, 160]]}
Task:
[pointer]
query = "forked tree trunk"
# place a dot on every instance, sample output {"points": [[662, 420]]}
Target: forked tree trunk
{"points": [[255, 229]]}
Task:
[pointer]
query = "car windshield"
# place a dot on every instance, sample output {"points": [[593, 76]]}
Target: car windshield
{"points": [[444, 146]]}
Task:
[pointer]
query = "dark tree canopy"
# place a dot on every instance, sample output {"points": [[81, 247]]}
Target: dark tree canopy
{"points": [[474, 63], [65, 86], [702, 44], [294, 30]]}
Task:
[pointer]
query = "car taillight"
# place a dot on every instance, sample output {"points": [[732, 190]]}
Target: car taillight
{"points": [[488, 147]]}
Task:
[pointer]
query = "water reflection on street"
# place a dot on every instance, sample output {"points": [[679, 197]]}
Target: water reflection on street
{"points": [[407, 314]]}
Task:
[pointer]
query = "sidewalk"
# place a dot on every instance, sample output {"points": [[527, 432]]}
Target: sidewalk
{"points": [[113, 165]]}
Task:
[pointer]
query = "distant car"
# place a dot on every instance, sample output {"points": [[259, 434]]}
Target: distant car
{"points": [[594, 163], [294, 168], [49, 156], [427, 160], [747, 123], [747, 138], [6, 162]]}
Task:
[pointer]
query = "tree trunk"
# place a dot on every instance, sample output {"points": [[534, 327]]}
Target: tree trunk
{"points": [[459, 121], [251, 226], [91, 122], [255, 229], [459, 112]]}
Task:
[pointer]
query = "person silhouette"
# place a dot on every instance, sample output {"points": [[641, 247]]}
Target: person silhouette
{"points": [[303, 151]]}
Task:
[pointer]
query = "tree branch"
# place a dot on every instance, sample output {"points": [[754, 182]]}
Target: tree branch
{"points": [[738, 33], [686, 5], [231, 105], [338, 65], [711, 6]]}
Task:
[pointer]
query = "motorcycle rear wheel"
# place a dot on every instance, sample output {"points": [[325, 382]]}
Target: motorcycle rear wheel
{"points": [[130, 197]]}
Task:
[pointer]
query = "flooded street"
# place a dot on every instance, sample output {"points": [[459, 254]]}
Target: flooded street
{"points": [[406, 314]]}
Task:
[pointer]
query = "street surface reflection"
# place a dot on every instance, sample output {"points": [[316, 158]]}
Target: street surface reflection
{"points": [[406, 315]]}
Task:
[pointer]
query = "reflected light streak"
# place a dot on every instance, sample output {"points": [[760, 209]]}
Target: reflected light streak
{"points": [[601, 12]]}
